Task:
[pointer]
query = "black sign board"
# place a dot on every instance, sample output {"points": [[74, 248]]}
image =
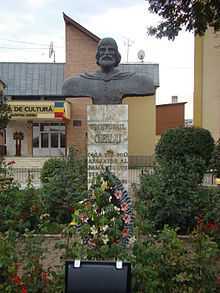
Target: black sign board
{"points": [[97, 277]]}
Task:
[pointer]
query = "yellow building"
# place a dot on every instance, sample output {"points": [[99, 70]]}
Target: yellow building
{"points": [[207, 82]]}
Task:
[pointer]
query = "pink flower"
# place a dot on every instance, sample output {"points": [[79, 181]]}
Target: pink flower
{"points": [[11, 163], [126, 218], [118, 194], [124, 207]]}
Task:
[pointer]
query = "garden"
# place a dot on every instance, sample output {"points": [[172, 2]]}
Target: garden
{"points": [[169, 232]]}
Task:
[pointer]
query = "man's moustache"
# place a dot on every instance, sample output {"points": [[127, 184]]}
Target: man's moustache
{"points": [[106, 58]]}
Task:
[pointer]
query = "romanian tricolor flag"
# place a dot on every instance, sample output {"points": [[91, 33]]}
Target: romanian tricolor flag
{"points": [[59, 109]]}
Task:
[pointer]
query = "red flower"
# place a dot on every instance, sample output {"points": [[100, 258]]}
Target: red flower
{"points": [[24, 290], [71, 210], [125, 232], [199, 220], [211, 226], [218, 280], [16, 280], [124, 207], [115, 241], [44, 277]]}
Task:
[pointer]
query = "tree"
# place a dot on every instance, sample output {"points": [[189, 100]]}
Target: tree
{"points": [[191, 15]]}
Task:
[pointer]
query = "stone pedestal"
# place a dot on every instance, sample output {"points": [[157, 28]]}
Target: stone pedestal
{"points": [[108, 141]]}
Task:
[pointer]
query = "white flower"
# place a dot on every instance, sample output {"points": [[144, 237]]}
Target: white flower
{"points": [[105, 239], [94, 231], [132, 241], [105, 228], [104, 185], [116, 209], [44, 216]]}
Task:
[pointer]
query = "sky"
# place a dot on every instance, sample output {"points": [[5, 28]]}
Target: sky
{"points": [[27, 27]]}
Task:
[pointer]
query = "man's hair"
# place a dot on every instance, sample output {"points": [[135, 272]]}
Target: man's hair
{"points": [[107, 41]]}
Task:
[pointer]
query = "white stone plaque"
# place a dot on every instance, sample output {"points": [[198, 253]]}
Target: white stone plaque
{"points": [[108, 141]]}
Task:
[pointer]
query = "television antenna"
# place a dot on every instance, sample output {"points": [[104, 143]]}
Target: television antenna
{"points": [[52, 52], [128, 43]]}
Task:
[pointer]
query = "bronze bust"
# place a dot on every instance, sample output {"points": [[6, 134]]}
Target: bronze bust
{"points": [[108, 85]]}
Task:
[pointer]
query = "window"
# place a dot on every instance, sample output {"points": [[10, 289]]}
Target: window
{"points": [[44, 140], [62, 140], [36, 142], [54, 140]]}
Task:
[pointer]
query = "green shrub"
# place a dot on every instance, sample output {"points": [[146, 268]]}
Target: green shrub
{"points": [[8, 259], [50, 168], [181, 144], [215, 160], [209, 211], [166, 264], [63, 186], [172, 192], [171, 196], [20, 209]]}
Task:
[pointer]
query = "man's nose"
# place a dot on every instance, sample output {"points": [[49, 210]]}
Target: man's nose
{"points": [[108, 51]]}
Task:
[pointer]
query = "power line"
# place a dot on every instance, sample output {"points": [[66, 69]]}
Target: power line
{"points": [[28, 43], [17, 48], [23, 42]]}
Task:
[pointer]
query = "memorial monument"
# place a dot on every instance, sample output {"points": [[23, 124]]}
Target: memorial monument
{"points": [[108, 85], [107, 119]]}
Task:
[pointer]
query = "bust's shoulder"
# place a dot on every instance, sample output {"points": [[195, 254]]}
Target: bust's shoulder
{"points": [[72, 80], [142, 77], [139, 84], [72, 85]]}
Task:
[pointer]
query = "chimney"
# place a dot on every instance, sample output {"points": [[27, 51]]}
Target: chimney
{"points": [[174, 99]]}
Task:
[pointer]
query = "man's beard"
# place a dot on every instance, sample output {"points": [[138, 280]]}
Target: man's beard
{"points": [[107, 61]]}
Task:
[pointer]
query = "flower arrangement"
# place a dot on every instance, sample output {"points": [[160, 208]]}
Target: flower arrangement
{"points": [[103, 221]]}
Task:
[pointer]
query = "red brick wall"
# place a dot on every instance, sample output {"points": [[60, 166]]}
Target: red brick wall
{"points": [[80, 52], [169, 116]]}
